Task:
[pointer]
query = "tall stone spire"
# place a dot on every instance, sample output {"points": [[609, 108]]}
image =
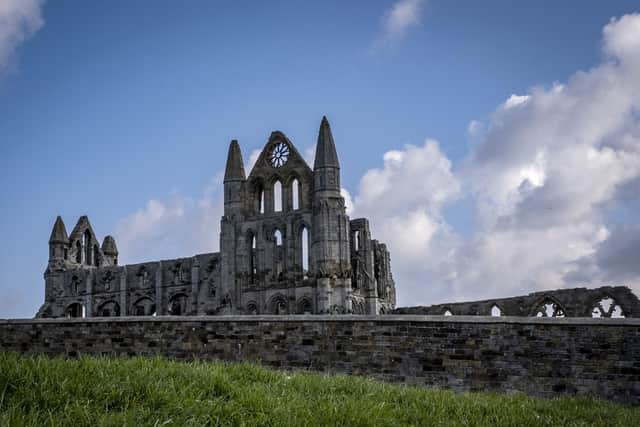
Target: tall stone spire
{"points": [[326, 155], [235, 166], [59, 232]]}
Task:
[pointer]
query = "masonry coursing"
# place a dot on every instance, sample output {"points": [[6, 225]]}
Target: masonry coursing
{"points": [[541, 357]]}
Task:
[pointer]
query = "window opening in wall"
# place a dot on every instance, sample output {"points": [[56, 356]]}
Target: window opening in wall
{"points": [[549, 308], [495, 311], [277, 196], [305, 251], [261, 201], [278, 236], [96, 256], [607, 307], [356, 241], [78, 252], [295, 194], [87, 248], [253, 267], [448, 313], [66, 254]]}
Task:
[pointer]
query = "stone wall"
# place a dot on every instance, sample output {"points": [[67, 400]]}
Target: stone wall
{"points": [[539, 356]]}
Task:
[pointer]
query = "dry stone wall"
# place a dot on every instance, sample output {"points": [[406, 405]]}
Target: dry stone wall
{"points": [[542, 357]]}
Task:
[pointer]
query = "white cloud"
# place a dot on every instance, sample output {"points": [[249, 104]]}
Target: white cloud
{"points": [[539, 179], [177, 226], [398, 20], [19, 20], [539, 182]]}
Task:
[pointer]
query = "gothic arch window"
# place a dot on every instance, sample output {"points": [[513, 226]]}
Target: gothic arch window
{"points": [[75, 310], [304, 245], [78, 252], [253, 264], [178, 305], [495, 311], [295, 194], [549, 308], [278, 237], [356, 241], [144, 307], [261, 201], [304, 306], [87, 247], [277, 196], [607, 307], [279, 305], [109, 309], [447, 313], [252, 308]]}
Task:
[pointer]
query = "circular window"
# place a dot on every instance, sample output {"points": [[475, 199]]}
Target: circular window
{"points": [[279, 154]]}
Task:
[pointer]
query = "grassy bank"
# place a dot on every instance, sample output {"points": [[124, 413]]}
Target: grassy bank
{"points": [[112, 392]]}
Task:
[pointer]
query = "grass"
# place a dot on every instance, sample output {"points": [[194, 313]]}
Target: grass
{"points": [[39, 391]]}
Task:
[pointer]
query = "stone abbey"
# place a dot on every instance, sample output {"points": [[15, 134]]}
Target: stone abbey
{"points": [[287, 246]]}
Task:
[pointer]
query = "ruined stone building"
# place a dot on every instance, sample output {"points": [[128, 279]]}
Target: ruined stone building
{"points": [[286, 246]]}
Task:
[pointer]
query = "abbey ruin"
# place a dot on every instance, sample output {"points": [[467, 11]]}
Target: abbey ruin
{"points": [[287, 246]]}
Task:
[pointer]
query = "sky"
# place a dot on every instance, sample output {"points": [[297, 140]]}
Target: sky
{"points": [[494, 146]]}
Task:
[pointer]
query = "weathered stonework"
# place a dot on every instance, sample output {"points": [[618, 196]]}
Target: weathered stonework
{"points": [[606, 301], [539, 356], [286, 246]]}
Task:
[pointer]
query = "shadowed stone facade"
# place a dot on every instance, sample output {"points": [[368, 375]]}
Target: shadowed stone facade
{"points": [[286, 246], [538, 356], [606, 301]]}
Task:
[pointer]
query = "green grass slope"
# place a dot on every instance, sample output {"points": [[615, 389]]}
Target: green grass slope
{"points": [[38, 391]]}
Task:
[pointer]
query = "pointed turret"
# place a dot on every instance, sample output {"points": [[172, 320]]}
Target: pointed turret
{"points": [[58, 241], [235, 166], [326, 168], [109, 251], [326, 155], [59, 232], [234, 178]]}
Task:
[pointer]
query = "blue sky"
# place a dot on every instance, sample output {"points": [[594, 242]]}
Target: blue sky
{"points": [[124, 110]]}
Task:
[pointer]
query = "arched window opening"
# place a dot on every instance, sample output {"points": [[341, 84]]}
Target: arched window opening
{"points": [[277, 197], [448, 313], [253, 265], [278, 237], [304, 306], [78, 252], [252, 308], [305, 250], [144, 307], [75, 285], [109, 309], [178, 305], [548, 308], [75, 310], [96, 256], [261, 201], [356, 241], [280, 306], [295, 194], [607, 307], [87, 247], [495, 311]]}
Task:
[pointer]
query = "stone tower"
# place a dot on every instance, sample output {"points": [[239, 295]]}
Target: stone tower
{"points": [[330, 231]]}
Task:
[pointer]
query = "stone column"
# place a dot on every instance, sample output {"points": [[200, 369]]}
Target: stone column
{"points": [[123, 292]]}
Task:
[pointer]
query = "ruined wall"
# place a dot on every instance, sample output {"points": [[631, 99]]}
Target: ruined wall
{"points": [[542, 357], [605, 301]]}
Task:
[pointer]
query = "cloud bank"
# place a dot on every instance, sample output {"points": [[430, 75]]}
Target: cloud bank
{"points": [[398, 20], [19, 20], [541, 180]]}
